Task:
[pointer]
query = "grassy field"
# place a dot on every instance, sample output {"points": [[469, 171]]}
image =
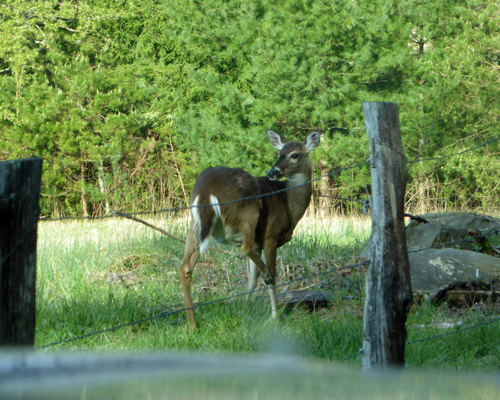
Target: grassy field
{"points": [[99, 275]]}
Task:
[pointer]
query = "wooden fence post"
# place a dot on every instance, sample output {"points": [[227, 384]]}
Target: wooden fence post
{"points": [[388, 286], [19, 212]]}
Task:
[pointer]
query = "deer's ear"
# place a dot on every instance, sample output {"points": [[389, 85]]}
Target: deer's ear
{"points": [[278, 141], [312, 141]]}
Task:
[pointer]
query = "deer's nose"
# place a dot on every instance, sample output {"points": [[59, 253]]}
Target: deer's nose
{"points": [[274, 173]]}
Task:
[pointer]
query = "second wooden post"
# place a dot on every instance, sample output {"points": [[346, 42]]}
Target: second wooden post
{"points": [[388, 287]]}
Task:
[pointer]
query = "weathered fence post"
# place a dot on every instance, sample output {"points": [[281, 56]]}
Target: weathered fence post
{"points": [[19, 212], [388, 286]]}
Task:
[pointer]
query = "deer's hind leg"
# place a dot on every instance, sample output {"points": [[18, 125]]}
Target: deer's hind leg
{"points": [[200, 230], [191, 254]]}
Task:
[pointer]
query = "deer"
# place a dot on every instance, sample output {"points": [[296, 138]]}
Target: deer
{"points": [[259, 214]]}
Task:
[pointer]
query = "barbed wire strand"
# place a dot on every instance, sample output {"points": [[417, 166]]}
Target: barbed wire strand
{"points": [[237, 295], [342, 360], [178, 209], [455, 154], [339, 198], [204, 304], [429, 338], [337, 171], [441, 335], [185, 208], [165, 314], [302, 278], [232, 297]]}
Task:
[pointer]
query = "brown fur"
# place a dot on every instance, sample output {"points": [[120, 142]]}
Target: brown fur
{"points": [[257, 224]]}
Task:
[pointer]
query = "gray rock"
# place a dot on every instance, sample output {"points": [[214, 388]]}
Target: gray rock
{"points": [[433, 268], [453, 259], [448, 229]]}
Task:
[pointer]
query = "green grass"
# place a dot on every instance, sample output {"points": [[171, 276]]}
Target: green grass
{"points": [[97, 275]]}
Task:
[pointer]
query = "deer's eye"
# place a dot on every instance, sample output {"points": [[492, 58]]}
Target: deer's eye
{"points": [[295, 156]]}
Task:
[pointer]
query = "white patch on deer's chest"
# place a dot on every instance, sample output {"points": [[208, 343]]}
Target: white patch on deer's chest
{"points": [[297, 180]]}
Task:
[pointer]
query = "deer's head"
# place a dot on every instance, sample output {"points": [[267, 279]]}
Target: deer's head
{"points": [[293, 156]]}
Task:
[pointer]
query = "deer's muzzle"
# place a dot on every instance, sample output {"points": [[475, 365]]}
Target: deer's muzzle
{"points": [[274, 173]]}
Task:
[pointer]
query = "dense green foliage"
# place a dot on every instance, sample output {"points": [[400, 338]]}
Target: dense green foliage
{"points": [[128, 100]]}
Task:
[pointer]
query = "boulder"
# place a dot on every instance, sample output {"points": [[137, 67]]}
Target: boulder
{"points": [[440, 251], [433, 268], [448, 230]]}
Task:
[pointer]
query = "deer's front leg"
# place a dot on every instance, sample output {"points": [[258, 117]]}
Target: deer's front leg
{"points": [[264, 270], [268, 274], [270, 248], [253, 275]]}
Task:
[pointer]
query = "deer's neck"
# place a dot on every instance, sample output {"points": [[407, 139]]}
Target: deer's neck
{"points": [[298, 198]]}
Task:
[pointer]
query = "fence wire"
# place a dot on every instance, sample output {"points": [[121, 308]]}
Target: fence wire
{"points": [[174, 210], [311, 276], [180, 209], [205, 304], [455, 154], [256, 291], [427, 339]]}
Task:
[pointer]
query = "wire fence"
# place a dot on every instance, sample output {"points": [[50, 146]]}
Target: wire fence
{"points": [[328, 175], [161, 315], [204, 304], [362, 264], [434, 337]]}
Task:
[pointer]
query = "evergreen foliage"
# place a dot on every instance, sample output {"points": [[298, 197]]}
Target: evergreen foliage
{"points": [[127, 101]]}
